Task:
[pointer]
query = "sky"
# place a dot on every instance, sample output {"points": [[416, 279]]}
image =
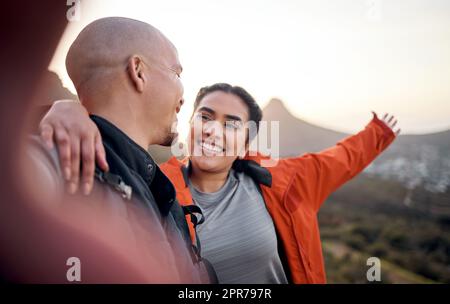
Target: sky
{"points": [[331, 62]]}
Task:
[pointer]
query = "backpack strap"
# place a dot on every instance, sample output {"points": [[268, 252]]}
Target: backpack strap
{"points": [[115, 181], [192, 210], [260, 175]]}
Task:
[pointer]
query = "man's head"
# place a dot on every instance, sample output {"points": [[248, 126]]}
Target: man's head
{"points": [[130, 72], [225, 119]]}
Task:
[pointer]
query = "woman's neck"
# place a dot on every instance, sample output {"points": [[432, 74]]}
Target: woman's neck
{"points": [[207, 182]]}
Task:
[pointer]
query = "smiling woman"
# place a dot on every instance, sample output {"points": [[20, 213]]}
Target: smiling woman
{"points": [[217, 134]]}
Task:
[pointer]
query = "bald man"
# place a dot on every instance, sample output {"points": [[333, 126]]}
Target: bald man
{"points": [[127, 72], [127, 75]]}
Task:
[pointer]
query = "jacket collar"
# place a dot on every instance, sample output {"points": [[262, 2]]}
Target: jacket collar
{"points": [[259, 174], [134, 156]]}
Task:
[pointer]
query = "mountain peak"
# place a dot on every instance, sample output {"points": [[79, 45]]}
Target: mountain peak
{"points": [[275, 103], [276, 109]]}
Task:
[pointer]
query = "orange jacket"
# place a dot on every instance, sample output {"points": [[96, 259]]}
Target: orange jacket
{"points": [[299, 187]]}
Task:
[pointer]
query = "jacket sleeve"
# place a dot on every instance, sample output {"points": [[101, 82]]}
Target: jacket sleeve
{"points": [[319, 174]]}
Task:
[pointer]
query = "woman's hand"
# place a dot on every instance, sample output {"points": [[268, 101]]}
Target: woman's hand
{"points": [[67, 124], [391, 122]]}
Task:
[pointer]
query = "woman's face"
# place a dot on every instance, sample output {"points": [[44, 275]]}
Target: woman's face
{"points": [[218, 132]]}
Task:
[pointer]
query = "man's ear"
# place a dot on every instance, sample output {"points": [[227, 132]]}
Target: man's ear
{"points": [[136, 72]]}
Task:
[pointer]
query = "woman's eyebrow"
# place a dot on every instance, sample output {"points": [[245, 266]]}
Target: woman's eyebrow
{"points": [[206, 109], [227, 116], [233, 117]]}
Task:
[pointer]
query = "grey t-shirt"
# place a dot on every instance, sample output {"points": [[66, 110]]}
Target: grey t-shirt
{"points": [[238, 236]]}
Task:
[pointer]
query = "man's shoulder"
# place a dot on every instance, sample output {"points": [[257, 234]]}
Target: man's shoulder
{"points": [[37, 151], [41, 169], [47, 162]]}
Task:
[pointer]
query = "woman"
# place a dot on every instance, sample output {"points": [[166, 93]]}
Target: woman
{"points": [[260, 222]]}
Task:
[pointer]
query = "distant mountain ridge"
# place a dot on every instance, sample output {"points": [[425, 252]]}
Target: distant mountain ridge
{"points": [[412, 159]]}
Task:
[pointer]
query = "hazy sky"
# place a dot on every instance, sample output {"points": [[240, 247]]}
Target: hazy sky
{"points": [[331, 62]]}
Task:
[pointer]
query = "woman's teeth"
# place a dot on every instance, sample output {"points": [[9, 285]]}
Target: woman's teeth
{"points": [[211, 148]]}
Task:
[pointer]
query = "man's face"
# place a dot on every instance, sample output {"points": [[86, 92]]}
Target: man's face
{"points": [[218, 133], [165, 95]]}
